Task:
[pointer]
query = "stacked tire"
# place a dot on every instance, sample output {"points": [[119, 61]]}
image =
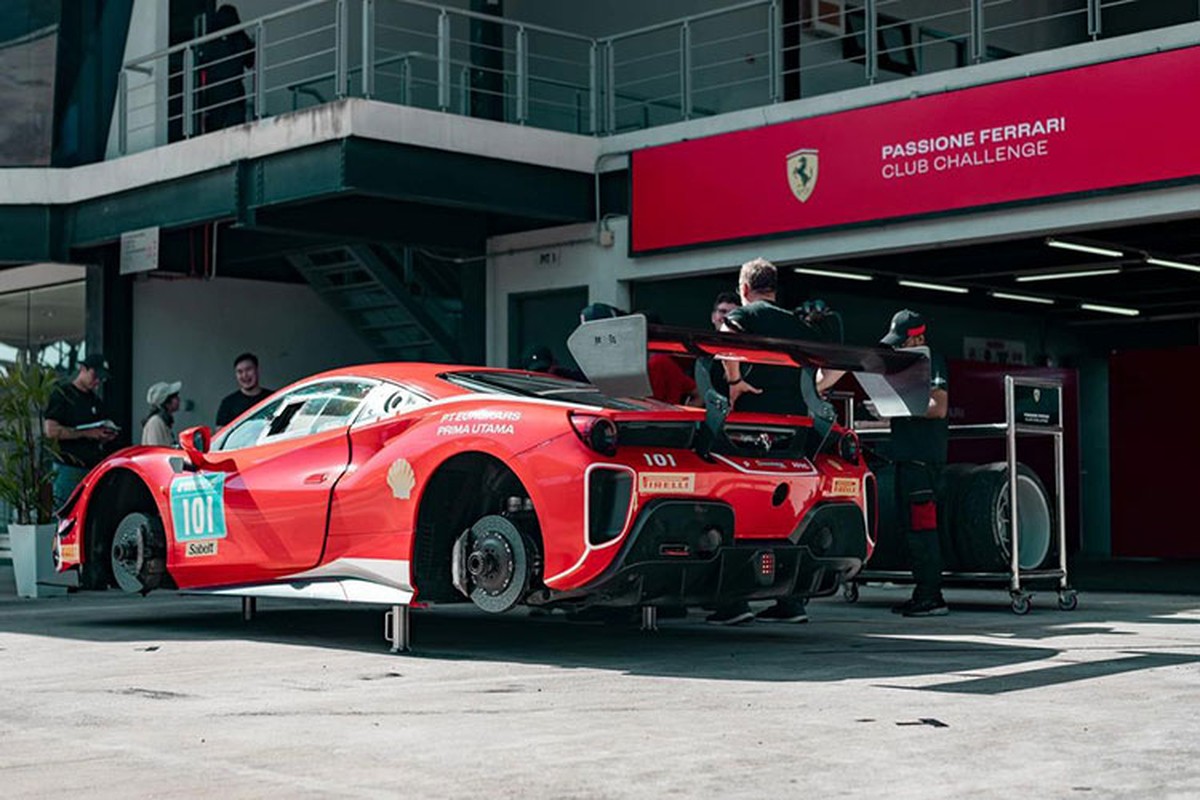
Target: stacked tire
{"points": [[974, 530]]}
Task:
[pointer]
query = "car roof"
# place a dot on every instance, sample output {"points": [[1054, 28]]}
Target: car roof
{"points": [[418, 374]]}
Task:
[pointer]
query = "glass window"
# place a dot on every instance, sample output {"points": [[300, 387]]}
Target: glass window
{"points": [[45, 324], [387, 401], [310, 409], [547, 387], [248, 431], [29, 42]]}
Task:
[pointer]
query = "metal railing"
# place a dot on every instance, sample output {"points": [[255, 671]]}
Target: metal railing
{"points": [[418, 53]]}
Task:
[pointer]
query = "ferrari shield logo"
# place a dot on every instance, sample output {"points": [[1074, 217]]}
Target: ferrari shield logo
{"points": [[802, 173]]}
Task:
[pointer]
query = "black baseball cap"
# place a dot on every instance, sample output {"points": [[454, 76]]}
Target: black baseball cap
{"points": [[905, 323], [97, 362]]}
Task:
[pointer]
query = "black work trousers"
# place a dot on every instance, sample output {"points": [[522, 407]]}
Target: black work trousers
{"points": [[916, 507]]}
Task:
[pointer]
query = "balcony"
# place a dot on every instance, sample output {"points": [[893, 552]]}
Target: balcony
{"points": [[746, 55]]}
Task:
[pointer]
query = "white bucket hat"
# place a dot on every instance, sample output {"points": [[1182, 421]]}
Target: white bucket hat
{"points": [[157, 394]]}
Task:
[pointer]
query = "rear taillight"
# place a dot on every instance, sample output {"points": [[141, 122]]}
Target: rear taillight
{"points": [[597, 432]]}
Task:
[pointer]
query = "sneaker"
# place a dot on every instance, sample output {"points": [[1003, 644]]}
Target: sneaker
{"points": [[734, 615], [927, 608], [782, 612]]}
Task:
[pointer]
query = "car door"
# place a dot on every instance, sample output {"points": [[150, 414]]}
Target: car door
{"points": [[370, 504], [273, 477]]}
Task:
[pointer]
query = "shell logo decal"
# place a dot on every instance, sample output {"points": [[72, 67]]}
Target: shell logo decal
{"points": [[401, 478]]}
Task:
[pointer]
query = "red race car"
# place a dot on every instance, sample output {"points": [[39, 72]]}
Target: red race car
{"points": [[390, 483]]}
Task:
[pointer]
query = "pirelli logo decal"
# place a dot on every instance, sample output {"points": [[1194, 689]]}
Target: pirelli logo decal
{"points": [[667, 483], [845, 487], [69, 552], [198, 549]]}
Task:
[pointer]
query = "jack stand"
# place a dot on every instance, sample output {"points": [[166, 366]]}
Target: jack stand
{"points": [[649, 618], [249, 608], [396, 628]]}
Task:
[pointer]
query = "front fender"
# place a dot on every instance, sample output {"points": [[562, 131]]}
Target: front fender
{"points": [[148, 465]]}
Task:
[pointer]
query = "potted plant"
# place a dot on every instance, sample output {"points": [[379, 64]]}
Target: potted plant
{"points": [[27, 474]]}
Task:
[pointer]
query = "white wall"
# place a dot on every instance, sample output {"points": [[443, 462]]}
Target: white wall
{"points": [[191, 330], [147, 115]]}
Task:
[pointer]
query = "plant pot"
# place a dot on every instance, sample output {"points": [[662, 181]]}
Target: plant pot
{"points": [[33, 561]]}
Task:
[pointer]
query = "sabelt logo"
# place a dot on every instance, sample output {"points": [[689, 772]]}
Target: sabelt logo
{"points": [[845, 487], [667, 483], [197, 549]]}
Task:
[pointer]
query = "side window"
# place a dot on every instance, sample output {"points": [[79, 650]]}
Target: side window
{"points": [[389, 400], [250, 429], [316, 408], [309, 409]]}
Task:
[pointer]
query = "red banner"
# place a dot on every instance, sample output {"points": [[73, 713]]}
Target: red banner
{"points": [[1095, 128]]}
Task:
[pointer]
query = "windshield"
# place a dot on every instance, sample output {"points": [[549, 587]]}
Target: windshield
{"points": [[548, 387]]}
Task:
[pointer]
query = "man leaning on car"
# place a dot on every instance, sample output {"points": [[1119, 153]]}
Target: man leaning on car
{"points": [[775, 390]]}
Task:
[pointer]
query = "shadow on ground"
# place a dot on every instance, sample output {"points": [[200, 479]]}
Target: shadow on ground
{"points": [[845, 642]]}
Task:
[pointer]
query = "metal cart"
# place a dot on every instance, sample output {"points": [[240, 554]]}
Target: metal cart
{"points": [[1019, 422]]}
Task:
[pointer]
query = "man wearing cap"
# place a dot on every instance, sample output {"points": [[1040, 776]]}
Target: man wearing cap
{"points": [[77, 419], [919, 447], [158, 427]]}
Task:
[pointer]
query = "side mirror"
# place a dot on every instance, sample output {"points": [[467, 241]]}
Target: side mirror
{"points": [[196, 442]]}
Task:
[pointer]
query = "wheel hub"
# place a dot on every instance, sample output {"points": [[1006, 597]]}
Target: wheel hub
{"points": [[491, 564], [137, 553], [127, 551]]}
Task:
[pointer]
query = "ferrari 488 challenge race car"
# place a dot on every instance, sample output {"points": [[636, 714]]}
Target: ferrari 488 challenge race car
{"points": [[397, 483]]}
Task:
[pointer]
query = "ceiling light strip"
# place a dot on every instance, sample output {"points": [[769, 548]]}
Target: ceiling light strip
{"points": [[1085, 248], [1054, 276], [936, 287], [829, 273], [1164, 262], [1022, 298], [1125, 312]]}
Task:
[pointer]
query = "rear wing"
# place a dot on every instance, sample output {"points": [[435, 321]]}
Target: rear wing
{"points": [[612, 353]]}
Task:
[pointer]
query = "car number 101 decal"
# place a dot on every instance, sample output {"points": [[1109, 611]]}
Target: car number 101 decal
{"points": [[198, 506]]}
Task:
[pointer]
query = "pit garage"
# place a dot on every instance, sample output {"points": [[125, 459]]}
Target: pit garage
{"points": [[1037, 267]]}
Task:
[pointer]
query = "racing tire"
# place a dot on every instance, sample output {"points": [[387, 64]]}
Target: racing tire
{"points": [[891, 549], [138, 553], [982, 530], [951, 488]]}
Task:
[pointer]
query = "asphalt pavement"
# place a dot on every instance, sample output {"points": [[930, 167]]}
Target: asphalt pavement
{"points": [[109, 695]]}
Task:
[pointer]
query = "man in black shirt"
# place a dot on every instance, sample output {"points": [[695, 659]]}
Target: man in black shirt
{"points": [[71, 420], [774, 390], [919, 447], [248, 394]]}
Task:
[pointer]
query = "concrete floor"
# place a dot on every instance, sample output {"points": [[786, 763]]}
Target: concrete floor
{"points": [[106, 695]]}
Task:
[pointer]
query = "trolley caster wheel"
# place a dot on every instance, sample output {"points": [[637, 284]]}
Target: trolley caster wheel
{"points": [[850, 592], [1068, 600], [1021, 603]]}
